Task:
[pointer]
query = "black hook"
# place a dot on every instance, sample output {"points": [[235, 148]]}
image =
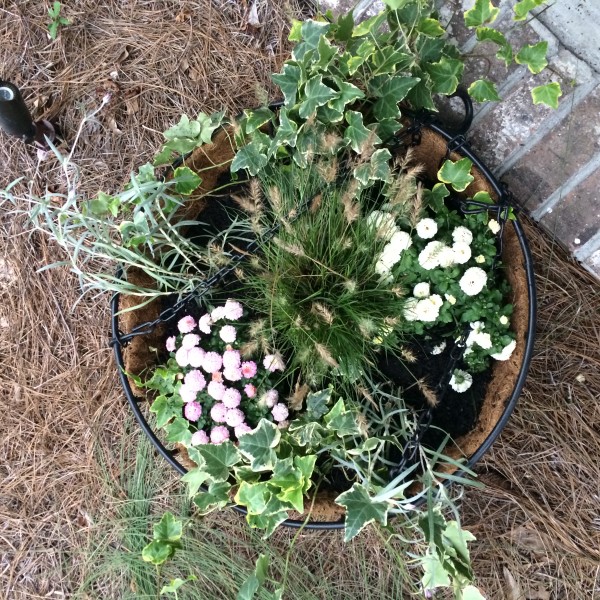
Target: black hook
{"points": [[16, 120]]}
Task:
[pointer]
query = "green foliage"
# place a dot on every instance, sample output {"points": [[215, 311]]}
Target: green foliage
{"points": [[547, 94], [483, 12], [483, 90], [187, 135], [523, 7], [56, 20], [175, 584], [361, 510], [166, 539], [256, 580], [534, 57], [457, 174]]}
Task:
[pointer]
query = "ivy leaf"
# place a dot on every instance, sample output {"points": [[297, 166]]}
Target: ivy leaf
{"points": [[341, 421], [250, 157], [345, 27], [347, 94], [258, 444], [103, 204], [456, 539], [268, 522], [363, 52], [431, 28], [421, 95], [534, 57], [290, 482], [487, 34], [369, 25], [295, 34], [316, 403], [307, 434], [378, 169], [522, 8], [317, 94], [392, 91], [287, 132], [434, 573], [251, 585], [175, 584], [289, 82], [168, 529], [472, 593], [326, 52], [255, 119], [186, 180], [435, 197], [194, 478], [356, 134], [390, 60], [445, 75], [483, 90], [395, 4], [306, 466], [218, 459], [312, 32], [184, 129], [387, 128], [483, 12], [254, 496], [157, 552], [178, 431], [217, 496], [360, 510], [547, 94], [457, 174], [166, 408]]}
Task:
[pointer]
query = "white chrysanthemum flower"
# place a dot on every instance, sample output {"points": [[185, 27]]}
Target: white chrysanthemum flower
{"points": [[447, 257], [400, 240], [477, 326], [384, 222], [461, 252], [480, 259], [461, 381], [504, 320], [462, 235], [506, 352], [436, 300], [428, 309], [483, 340], [494, 226], [429, 257], [426, 228], [409, 311], [473, 281], [438, 349], [421, 290], [451, 299]]}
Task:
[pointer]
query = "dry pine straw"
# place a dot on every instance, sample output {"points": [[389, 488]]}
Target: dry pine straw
{"points": [[537, 522]]}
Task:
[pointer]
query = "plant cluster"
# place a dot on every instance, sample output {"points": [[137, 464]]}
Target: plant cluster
{"points": [[352, 256]]}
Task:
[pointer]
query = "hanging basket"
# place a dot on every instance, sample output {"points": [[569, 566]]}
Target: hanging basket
{"points": [[137, 332]]}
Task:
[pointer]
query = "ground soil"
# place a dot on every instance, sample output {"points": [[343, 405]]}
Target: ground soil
{"points": [[536, 520]]}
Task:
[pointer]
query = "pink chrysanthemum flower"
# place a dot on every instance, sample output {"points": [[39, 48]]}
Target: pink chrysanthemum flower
{"points": [[274, 362], [280, 412], [196, 356], [170, 344], [190, 340], [233, 310], [215, 390], [217, 313], [218, 412], [182, 357], [212, 362], [249, 369], [234, 417], [186, 325], [242, 429], [232, 374], [250, 390], [187, 393], [231, 398], [192, 411], [195, 380], [231, 359], [204, 324], [199, 437], [269, 398], [228, 334], [219, 434]]}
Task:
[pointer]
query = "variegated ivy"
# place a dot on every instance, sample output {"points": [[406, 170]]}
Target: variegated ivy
{"points": [[345, 83]]}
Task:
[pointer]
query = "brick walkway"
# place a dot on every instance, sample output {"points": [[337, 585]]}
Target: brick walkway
{"points": [[549, 158]]}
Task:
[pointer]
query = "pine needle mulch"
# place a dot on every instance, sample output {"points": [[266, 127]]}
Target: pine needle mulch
{"points": [[538, 520]]}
